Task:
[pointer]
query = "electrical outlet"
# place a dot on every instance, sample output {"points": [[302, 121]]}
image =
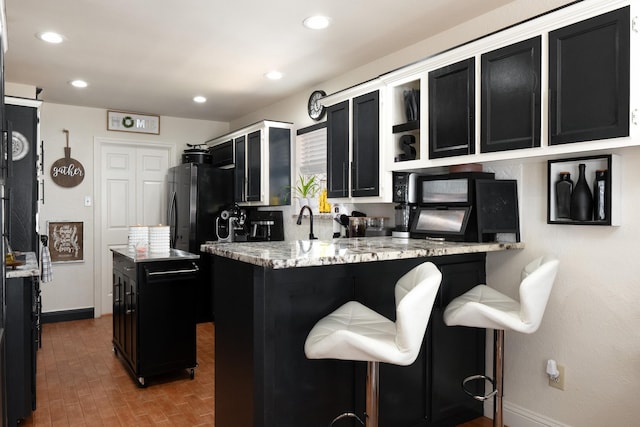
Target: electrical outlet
{"points": [[558, 382]]}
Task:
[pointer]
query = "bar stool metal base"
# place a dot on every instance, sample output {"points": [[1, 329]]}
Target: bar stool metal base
{"points": [[371, 411], [497, 382]]}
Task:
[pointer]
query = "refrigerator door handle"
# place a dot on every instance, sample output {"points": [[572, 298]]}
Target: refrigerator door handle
{"points": [[172, 217]]}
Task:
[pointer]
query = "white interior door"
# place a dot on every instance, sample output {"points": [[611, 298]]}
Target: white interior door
{"points": [[132, 191]]}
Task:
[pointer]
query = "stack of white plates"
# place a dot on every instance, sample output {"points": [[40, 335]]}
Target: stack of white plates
{"points": [[138, 238], [159, 238]]}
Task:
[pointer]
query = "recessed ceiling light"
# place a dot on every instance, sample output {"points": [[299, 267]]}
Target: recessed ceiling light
{"points": [[50, 37], [274, 75], [199, 99], [78, 83], [317, 22]]}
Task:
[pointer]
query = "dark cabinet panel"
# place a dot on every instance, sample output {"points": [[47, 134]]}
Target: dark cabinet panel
{"points": [[452, 109], [20, 348], [338, 150], [279, 166], [366, 142], [589, 79], [511, 97], [23, 187], [239, 174], [254, 166]]}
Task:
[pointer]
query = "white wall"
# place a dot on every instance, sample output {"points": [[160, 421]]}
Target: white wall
{"points": [[591, 322], [73, 283]]}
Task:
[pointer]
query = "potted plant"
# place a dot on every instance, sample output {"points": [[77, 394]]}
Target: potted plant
{"points": [[306, 190]]}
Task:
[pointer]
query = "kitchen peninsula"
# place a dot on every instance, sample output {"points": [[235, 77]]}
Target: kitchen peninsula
{"points": [[268, 296]]}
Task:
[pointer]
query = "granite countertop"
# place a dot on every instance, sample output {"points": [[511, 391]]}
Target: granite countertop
{"points": [[172, 255], [306, 253], [29, 269]]}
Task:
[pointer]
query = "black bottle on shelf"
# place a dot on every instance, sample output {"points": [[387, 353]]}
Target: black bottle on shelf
{"points": [[581, 198], [600, 195], [564, 187]]}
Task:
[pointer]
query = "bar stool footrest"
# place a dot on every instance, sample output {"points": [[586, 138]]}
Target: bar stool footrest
{"points": [[479, 397], [346, 415]]}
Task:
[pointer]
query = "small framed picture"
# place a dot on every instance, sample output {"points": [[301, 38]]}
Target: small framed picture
{"points": [[66, 241]]}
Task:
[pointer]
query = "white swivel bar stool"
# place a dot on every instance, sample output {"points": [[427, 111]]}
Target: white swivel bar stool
{"points": [[355, 332], [484, 307]]}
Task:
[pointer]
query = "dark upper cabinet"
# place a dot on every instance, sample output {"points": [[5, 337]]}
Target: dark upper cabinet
{"points": [[338, 150], [510, 90], [589, 79], [254, 166], [279, 166], [366, 142], [22, 187], [452, 109], [239, 175]]}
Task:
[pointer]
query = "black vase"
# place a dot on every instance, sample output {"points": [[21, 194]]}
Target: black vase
{"points": [[581, 199], [564, 187]]}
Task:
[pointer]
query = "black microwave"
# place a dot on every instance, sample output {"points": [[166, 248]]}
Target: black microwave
{"points": [[454, 189]]}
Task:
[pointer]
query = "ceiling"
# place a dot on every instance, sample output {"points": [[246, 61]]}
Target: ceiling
{"points": [[154, 56]]}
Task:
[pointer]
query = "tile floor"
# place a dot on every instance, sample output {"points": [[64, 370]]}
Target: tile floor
{"points": [[80, 382]]}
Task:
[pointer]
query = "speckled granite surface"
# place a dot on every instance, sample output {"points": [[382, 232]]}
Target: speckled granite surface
{"points": [[29, 269], [306, 253], [172, 255]]}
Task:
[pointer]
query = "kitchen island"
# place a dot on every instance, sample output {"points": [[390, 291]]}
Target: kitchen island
{"points": [[268, 296], [154, 323]]}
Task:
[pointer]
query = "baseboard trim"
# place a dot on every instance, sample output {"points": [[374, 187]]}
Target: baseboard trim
{"points": [[66, 315], [517, 416]]}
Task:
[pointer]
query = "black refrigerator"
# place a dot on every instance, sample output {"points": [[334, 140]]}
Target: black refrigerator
{"points": [[197, 193]]}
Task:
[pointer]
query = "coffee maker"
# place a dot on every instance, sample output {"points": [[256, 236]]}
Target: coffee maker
{"points": [[265, 226], [404, 194], [230, 225]]}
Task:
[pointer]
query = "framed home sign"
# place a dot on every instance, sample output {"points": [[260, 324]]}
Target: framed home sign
{"points": [[133, 122], [66, 241]]}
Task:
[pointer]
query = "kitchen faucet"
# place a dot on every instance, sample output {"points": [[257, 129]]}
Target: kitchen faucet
{"points": [[311, 236]]}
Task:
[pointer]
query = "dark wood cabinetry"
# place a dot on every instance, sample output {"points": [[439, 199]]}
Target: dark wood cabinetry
{"points": [[264, 379], [452, 110], [21, 347], [262, 174], [589, 79], [240, 194], [22, 190], [366, 145], [511, 97], [154, 324], [254, 166], [359, 167], [338, 150]]}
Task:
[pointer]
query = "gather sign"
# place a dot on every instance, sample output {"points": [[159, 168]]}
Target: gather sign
{"points": [[67, 172]]}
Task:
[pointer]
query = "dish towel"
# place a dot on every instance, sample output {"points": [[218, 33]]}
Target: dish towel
{"points": [[46, 274]]}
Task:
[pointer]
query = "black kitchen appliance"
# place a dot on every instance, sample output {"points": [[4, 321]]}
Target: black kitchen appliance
{"points": [[404, 194], [446, 207], [265, 226], [196, 153], [197, 192], [231, 225]]}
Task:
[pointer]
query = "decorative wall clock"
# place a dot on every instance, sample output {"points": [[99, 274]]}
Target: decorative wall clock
{"points": [[315, 109]]}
